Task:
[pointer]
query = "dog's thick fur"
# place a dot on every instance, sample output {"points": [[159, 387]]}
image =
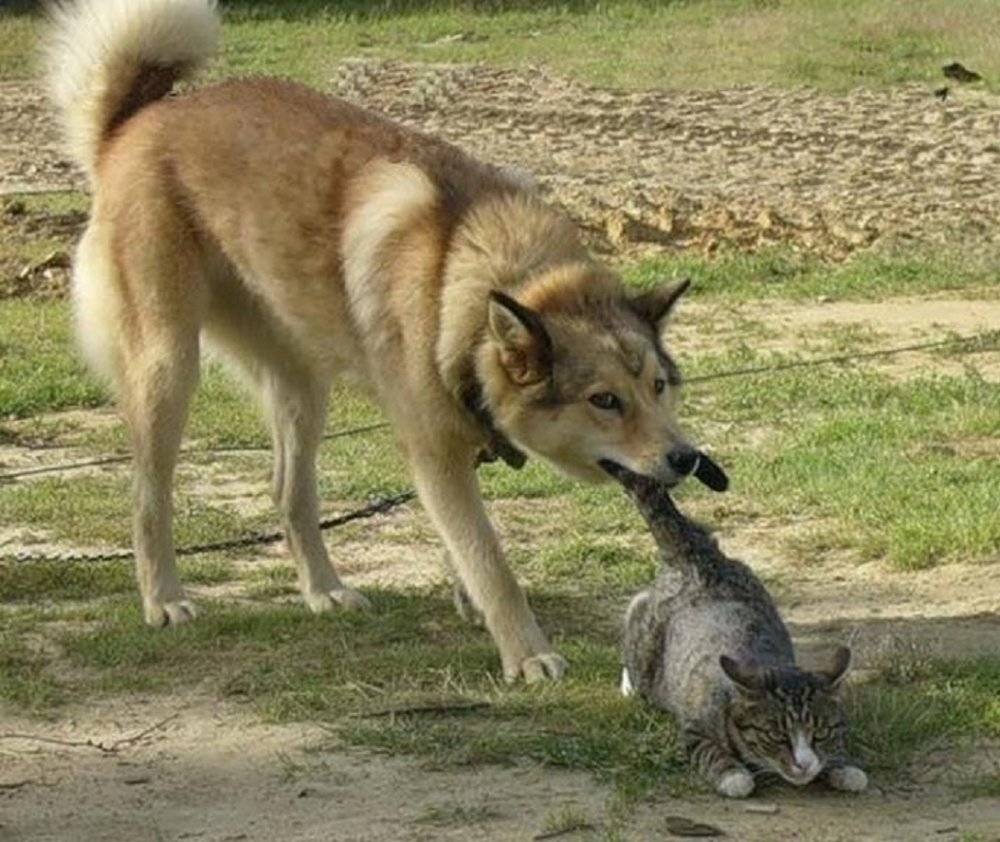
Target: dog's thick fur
{"points": [[307, 238]]}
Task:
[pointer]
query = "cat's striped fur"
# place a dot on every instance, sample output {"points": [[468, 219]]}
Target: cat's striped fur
{"points": [[706, 643]]}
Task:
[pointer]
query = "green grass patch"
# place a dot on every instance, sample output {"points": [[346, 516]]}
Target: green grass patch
{"points": [[899, 469], [24, 685], [453, 813], [39, 369], [610, 566], [96, 511], [365, 674], [782, 273], [896, 722], [623, 43], [984, 786], [49, 582], [410, 678], [33, 228]]}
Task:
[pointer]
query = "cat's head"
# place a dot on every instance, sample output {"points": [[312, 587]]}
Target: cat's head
{"points": [[787, 720]]}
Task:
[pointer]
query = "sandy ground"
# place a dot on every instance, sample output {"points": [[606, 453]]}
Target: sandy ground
{"points": [[676, 169], [640, 172], [194, 769]]}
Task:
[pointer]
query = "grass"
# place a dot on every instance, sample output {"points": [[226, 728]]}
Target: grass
{"points": [[453, 813], [38, 371], [894, 721], [855, 455], [622, 43], [780, 273], [56, 582], [893, 463], [364, 673]]}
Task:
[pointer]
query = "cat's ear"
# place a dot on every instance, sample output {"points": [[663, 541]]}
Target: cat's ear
{"points": [[745, 678], [840, 663]]}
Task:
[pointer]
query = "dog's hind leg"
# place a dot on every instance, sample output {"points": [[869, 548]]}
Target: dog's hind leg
{"points": [[449, 490], [296, 407], [293, 395], [138, 307], [156, 400]]}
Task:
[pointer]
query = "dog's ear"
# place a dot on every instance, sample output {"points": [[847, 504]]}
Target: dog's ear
{"points": [[654, 306], [525, 345]]}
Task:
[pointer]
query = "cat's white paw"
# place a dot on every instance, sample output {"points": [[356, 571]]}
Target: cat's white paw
{"points": [[626, 686], [342, 598], [848, 779], [736, 783]]}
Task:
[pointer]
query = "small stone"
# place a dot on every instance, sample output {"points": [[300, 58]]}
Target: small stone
{"points": [[761, 807]]}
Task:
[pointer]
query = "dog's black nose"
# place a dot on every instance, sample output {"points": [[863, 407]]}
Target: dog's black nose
{"points": [[683, 459]]}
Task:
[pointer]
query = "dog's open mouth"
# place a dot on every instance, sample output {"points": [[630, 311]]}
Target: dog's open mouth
{"points": [[705, 470]]}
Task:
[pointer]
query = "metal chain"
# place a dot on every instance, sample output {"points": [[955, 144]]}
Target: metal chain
{"points": [[382, 506], [193, 451]]}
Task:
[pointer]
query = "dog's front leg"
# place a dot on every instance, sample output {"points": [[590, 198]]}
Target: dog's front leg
{"points": [[449, 490]]}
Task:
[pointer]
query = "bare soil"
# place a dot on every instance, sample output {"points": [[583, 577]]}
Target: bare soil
{"points": [[192, 769], [668, 169], [641, 172]]}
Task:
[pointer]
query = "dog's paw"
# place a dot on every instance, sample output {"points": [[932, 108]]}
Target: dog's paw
{"points": [[336, 598], [735, 783], [548, 666], [174, 613], [466, 608], [848, 779], [626, 686]]}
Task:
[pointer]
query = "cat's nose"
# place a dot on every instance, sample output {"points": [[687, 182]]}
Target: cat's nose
{"points": [[682, 459]]}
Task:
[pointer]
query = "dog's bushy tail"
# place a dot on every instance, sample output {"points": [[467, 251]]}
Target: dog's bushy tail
{"points": [[106, 59]]}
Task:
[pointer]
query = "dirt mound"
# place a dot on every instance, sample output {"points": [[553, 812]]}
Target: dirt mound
{"points": [[668, 169], [699, 169]]}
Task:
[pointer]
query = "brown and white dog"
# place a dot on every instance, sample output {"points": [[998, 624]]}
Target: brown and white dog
{"points": [[307, 238]]}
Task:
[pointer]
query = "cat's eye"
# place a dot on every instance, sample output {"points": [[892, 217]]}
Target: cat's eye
{"points": [[659, 385], [822, 733], [777, 736], [606, 400]]}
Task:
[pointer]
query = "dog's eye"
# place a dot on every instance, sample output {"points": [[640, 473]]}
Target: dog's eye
{"points": [[659, 385], [606, 400]]}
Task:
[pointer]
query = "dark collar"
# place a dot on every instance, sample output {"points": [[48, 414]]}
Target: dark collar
{"points": [[498, 446]]}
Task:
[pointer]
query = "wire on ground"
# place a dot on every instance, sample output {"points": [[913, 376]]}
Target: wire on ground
{"points": [[985, 340]]}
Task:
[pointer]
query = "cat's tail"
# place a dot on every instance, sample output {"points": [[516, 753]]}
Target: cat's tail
{"points": [[682, 543], [107, 59]]}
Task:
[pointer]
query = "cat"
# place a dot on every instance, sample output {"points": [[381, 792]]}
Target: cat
{"points": [[706, 643]]}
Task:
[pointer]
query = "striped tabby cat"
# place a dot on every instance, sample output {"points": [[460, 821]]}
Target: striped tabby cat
{"points": [[706, 643]]}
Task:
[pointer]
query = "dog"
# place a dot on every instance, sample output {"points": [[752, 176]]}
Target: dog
{"points": [[306, 238]]}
